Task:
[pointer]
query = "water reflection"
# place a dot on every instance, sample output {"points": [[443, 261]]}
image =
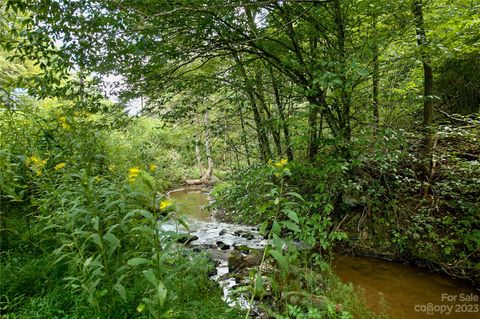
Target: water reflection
{"points": [[409, 292], [191, 203]]}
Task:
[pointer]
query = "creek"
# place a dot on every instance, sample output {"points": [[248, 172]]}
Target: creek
{"points": [[400, 291]]}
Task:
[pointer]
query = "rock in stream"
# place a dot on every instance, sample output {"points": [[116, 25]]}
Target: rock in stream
{"points": [[233, 248]]}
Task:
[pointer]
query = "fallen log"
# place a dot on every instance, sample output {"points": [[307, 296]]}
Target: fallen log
{"points": [[196, 181], [202, 181]]}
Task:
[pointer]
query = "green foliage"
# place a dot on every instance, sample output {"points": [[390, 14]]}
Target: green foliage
{"points": [[147, 143], [270, 194], [389, 215], [334, 86], [59, 193], [293, 234], [457, 85]]}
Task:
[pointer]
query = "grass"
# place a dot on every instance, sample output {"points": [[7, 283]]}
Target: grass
{"points": [[32, 286]]}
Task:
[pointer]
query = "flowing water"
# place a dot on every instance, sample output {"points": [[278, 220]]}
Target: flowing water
{"points": [[216, 238], [408, 292]]}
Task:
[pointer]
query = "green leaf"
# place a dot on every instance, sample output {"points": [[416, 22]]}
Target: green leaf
{"points": [[292, 226], [136, 261], [96, 239], [141, 308], [111, 238], [277, 242], [96, 222], [263, 227], [161, 293], [276, 227], [150, 275], [183, 223], [121, 291], [297, 195], [282, 260], [148, 180], [113, 241], [291, 214], [259, 285], [328, 208], [142, 212], [146, 214]]}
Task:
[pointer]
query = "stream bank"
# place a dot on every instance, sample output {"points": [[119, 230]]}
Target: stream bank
{"points": [[399, 290]]}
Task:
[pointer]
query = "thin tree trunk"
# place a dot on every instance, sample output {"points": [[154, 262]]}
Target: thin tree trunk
{"points": [[345, 95], [427, 69], [313, 136], [199, 156], [427, 92], [237, 159], [259, 83], [281, 113], [208, 152], [265, 152], [244, 135], [375, 81], [198, 153], [273, 129]]}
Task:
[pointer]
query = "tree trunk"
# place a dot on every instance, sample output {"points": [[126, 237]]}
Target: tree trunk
{"points": [[375, 81], [198, 153], [345, 94], [273, 129], [427, 69], [244, 135], [199, 156], [208, 152], [427, 92], [281, 113], [264, 146], [313, 133]]}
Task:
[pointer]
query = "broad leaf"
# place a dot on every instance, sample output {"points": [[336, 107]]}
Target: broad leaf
{"points": [[291, 214], [281, 260], [136, 261]]}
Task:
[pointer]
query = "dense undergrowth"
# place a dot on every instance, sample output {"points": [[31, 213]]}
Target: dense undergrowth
{"points": [[79, 207], [294, 279], [375, 202], [79, 237], [339, 86]]}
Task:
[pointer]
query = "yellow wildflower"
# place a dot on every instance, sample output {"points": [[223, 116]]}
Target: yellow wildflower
{"points": [[63, 122], [59, 166], [152, 167], [165, 204], [132, 174], [33, 160], [281, 163], [36, 164]]}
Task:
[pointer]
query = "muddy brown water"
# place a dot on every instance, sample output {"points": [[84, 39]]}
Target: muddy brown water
{"points": [[409, 292], [191, 203], [400, 291]]}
